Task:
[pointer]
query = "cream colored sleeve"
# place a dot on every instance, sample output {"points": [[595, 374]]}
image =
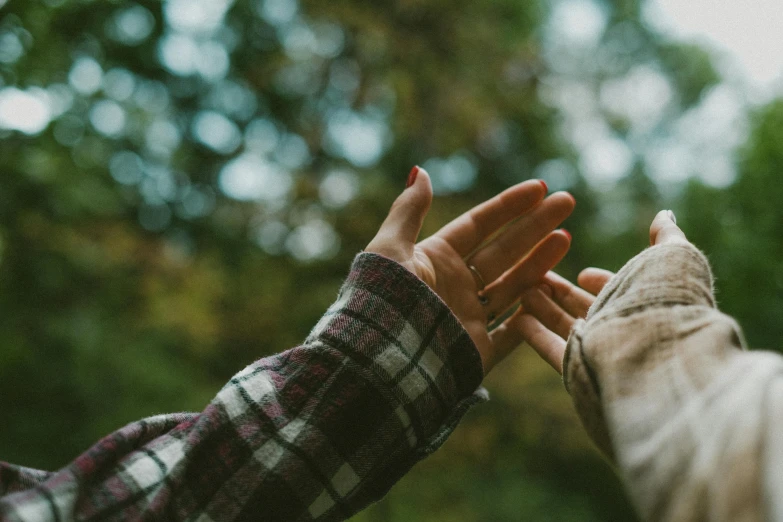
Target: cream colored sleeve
{"points": [[662, 383]]}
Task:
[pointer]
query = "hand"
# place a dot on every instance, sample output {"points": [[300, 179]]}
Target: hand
{"points": [[549, 311], [510, 241]]}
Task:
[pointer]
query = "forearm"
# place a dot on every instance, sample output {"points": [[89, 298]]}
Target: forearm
{"points": [[662, 383], [317, 432]]}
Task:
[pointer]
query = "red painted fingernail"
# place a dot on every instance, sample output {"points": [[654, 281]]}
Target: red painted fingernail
{"points": [[566, 232], [543, 183], [412, 176]]}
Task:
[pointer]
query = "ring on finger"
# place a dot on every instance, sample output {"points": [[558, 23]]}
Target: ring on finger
{"points": [[477, 276]]}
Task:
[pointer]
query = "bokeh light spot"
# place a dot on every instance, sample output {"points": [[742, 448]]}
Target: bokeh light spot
{"points": [[217, 132], [132, 25], [453, 174], [261, 136], [196, 16], [312, 241], [126, 167], [338, 188], [179, 54], [359, 138], [578, 22], [11, 48], [271, 237], [606, 160], [213, 61], [86, 76], [278, 12], [233, 99], [252, 178], [162, 137], [559, 174], [292, 152], [119, 84], [25, 111], [108, 118], [197, 201]]}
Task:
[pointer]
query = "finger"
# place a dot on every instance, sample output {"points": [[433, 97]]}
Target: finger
{"points": [[472, 228], [515, 242], [548, 345], [407, 213], [556, 319], [664, 229], [504, 339], [567, 295], [594, 279], [506, 290]]}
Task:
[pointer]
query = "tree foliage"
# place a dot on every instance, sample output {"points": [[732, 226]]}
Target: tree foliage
{"points": [[204, 172]]}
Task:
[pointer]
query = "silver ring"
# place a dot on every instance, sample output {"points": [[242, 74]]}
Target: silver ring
{"points": [[476, 274]]}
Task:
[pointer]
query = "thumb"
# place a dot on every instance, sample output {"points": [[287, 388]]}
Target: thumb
{"points": [[407, 213], [664, 229]]}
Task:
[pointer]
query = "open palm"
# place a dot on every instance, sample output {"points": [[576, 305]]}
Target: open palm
{"points": [[552, 308], [510, 241]]}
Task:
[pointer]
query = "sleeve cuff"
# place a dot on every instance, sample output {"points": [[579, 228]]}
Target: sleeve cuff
{"points": [[388, 320], [663, 275], [626, 328]]}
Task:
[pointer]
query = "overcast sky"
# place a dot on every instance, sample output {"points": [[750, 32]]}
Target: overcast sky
{"points": [[747, 35]]}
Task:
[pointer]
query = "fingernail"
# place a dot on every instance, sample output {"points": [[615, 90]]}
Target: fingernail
{"points": [[672, 216], [566, 232], [572, 197], [412, 176], [543, 183]]}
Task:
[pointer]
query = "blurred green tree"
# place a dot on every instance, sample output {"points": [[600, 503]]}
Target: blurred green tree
{"points": [[741, 226], [185, 183]]}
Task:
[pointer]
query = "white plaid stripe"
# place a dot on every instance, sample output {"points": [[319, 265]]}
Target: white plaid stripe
{"points": [[172, 453], [269, 454], [257, 387], [292, 430], [431, 363], [156, 420], [144, 471], [321, 504], [345, 480], [409, 339], [414, 385], [36, 509], [64, 495], [392, 359]]}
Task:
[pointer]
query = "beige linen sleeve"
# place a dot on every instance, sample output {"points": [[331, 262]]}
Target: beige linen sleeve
{"points": [[663, 385]]}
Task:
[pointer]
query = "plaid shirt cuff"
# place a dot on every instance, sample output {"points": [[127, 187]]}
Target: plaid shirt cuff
{"points": [[391, 322], [314, 433]]}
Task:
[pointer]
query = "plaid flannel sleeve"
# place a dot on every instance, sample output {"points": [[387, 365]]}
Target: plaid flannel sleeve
{"points": [[315, 433]]}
